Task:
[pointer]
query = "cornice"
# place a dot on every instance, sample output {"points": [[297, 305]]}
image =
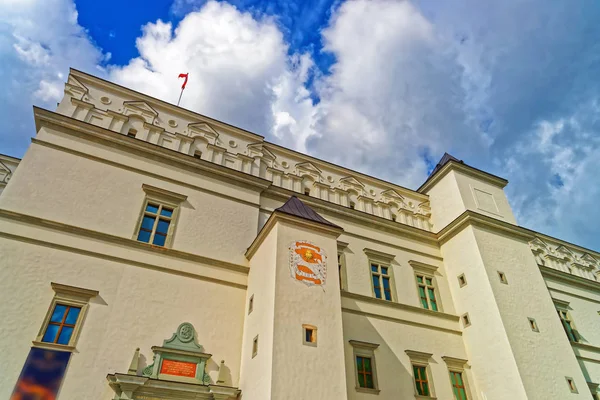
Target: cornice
{"points": [[469, 218], [465, 169], [547, 238], [378, 255], [277, 216], [122, 241], [569, 279], [340, 211], [173, 109], [96, 133], [401, 306]]}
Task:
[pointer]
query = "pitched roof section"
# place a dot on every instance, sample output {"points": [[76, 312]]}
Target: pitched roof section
{"points": [[294, 206], [446, 158]]}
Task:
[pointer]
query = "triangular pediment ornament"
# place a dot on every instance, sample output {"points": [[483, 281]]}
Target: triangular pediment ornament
{"points": [[140, 108], [538, 244], [203, 129], [352, 181], [565, 251], [589, 259], [258, 149], [75, 88], [392, 194], [307, 166]]}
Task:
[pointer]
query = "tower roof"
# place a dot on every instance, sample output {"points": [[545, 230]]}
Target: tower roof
{"points": [[446, 158], [294, 206]]}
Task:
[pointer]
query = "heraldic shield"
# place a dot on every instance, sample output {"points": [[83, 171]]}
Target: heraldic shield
{"points": [[308, 263]]}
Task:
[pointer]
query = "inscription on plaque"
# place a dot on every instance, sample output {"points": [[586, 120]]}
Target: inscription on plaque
{"points": [[178, 368]]}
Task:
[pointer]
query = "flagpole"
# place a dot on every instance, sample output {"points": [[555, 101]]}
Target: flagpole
{"points": [[180, 94]]}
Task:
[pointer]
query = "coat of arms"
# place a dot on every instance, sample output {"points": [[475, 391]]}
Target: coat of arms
{"points": [[308, 263]]}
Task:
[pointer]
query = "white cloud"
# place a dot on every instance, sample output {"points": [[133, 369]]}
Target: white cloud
{"points": [[238, 66], [39, 41], [507, 93]]}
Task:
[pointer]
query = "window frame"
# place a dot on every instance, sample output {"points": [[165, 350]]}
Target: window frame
{"points": [[427, 271], [365, 350], [313, 328], [421, 359], [458, 365], [341, 247], [161, 197], [69, 296], [381, 260], [563, 307]]}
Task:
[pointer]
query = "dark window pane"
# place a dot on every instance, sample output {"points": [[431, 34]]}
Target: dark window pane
{"points": [[428, 281], [370, 384], [50, 334], [452, 378], [386, 283], [359, 363], [374, 268], [65, 335], [72, 315], [159, 240], [163, 226], [420, 279], [361, 381], [144, 236], [367, 362], [148, 223], [425, 389], [388, 295], [384, 270], [153, 208], [377, 292], [59, 313], [308, 334], [167, 212]]}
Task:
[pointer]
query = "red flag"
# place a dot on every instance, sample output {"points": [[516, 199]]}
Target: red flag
{"points": [[185, 81]]}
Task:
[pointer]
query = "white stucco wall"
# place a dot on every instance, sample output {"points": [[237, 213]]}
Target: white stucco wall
{"points": [[136, 307], [301, 371]]}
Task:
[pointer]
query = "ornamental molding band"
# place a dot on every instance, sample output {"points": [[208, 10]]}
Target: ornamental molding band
{"points": [[568, 260], [308, 263], [179, 362], [164, 125]]}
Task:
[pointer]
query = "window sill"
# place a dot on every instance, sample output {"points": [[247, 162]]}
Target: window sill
{"points": [[53, 346], [367, 390]]}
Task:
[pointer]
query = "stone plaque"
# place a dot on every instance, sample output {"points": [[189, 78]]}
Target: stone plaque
{"points": [[178, 368]]}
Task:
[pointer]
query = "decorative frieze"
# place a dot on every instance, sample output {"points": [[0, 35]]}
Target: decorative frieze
{"points": [[565, 259], [245, 152]]}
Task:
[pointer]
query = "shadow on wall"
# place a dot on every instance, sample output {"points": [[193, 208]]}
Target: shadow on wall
{"points": [[393, 378]]}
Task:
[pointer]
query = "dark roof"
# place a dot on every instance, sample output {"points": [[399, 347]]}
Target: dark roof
{"points": [[297, 208], [446, 158]]}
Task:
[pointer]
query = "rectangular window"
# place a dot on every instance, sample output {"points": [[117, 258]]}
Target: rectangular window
{"points": [[458, 385], [381, 281], [64, 318], [365, 368], [571, 384], [568, 325], [250, 304], [255, 346], [462, 280], [62, 324], [340, 260], [502, 277], [310, 335], [533, 325], [365, 372], [155, 223], [427, 292], [421, 382]]}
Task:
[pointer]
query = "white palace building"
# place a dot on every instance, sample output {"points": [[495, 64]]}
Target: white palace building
{"points": [[152, 253]]}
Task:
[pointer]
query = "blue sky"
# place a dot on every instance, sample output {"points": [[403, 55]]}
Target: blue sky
{"points": [[381, 86]]}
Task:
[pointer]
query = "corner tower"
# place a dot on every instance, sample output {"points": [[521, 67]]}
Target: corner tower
{"points": [[516, 345], [293, 344]]}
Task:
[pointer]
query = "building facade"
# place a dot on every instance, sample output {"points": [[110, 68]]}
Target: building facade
{"points": [[149, 252]]}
